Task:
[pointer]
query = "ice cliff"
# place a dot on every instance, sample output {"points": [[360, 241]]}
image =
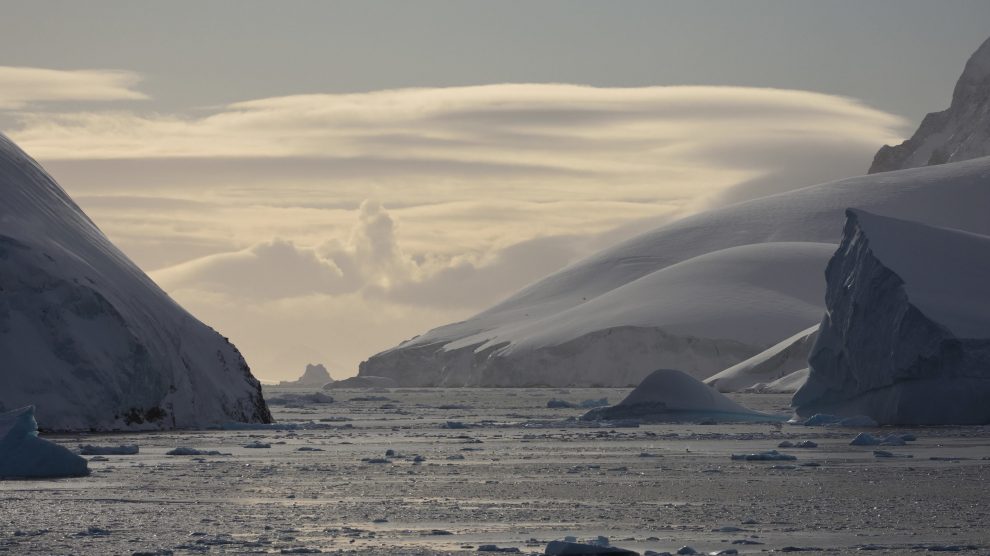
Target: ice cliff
{"points": [[960, 132], [87, 338], [906, 333]]}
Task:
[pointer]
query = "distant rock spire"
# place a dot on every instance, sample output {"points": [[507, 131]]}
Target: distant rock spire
{"points": [[960, 132]]}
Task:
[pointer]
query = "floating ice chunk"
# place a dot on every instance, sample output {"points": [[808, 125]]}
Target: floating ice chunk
{"points": [[828, 420], [864, 439], [186, 451], [122, 450], [568, 548], [772, 455], [23, 455], [257, 444]]}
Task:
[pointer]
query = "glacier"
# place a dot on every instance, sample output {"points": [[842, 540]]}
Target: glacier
{"points": [[906, 334], [23, 455], [87, 338]]}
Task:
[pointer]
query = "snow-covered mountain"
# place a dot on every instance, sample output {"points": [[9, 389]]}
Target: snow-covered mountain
{"points": [[89, 339], [906, 337], [961, 132], [700, 294]]}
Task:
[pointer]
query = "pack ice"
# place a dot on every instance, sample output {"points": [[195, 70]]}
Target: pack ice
{"points": [[23, 455], [906, 334], [89, 339], [671, 395]]}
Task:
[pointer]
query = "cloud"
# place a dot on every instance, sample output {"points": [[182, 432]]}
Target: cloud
{"points": [[267, 296], [488, 188], [21, 86]]}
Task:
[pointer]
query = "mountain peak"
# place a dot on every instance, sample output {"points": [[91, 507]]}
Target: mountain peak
{"points": [[960, 132]]}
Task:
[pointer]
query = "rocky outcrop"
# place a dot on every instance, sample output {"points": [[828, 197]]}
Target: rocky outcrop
{"points": [[906, 333], [314, 375], [960, 132]]}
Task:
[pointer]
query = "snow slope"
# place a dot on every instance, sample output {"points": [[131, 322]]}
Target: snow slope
{"points": [[613, 317], [670, 395], [88, 338], [25, 456], [906, 335], [776, 362], [961, 132], [788, 384]]}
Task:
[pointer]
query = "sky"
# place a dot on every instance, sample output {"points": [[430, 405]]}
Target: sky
{"points": [[322, 180]]}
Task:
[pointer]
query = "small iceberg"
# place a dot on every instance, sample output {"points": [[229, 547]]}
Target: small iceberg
{"points": [[669, 395], [23, 455]]}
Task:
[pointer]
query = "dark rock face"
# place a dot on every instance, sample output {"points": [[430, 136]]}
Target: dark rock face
{"points": [[960, 132], [879, 355]]}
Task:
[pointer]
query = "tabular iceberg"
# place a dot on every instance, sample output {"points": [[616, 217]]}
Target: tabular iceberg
{"points": [[906, 334]]}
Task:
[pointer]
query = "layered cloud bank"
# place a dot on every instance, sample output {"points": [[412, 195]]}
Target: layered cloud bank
{"points": [[328, 227]]}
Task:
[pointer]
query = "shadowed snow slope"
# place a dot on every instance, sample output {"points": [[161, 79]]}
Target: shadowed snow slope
{"points": [[700, 294], [25, 456], [780, 360], [667, 394], [785, 384], [90, 340], [958, 133], [906, 334]]}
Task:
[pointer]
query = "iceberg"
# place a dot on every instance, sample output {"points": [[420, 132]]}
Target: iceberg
{"points": [[87, 338], [24, 455], [906, 334], [671, 395]]}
